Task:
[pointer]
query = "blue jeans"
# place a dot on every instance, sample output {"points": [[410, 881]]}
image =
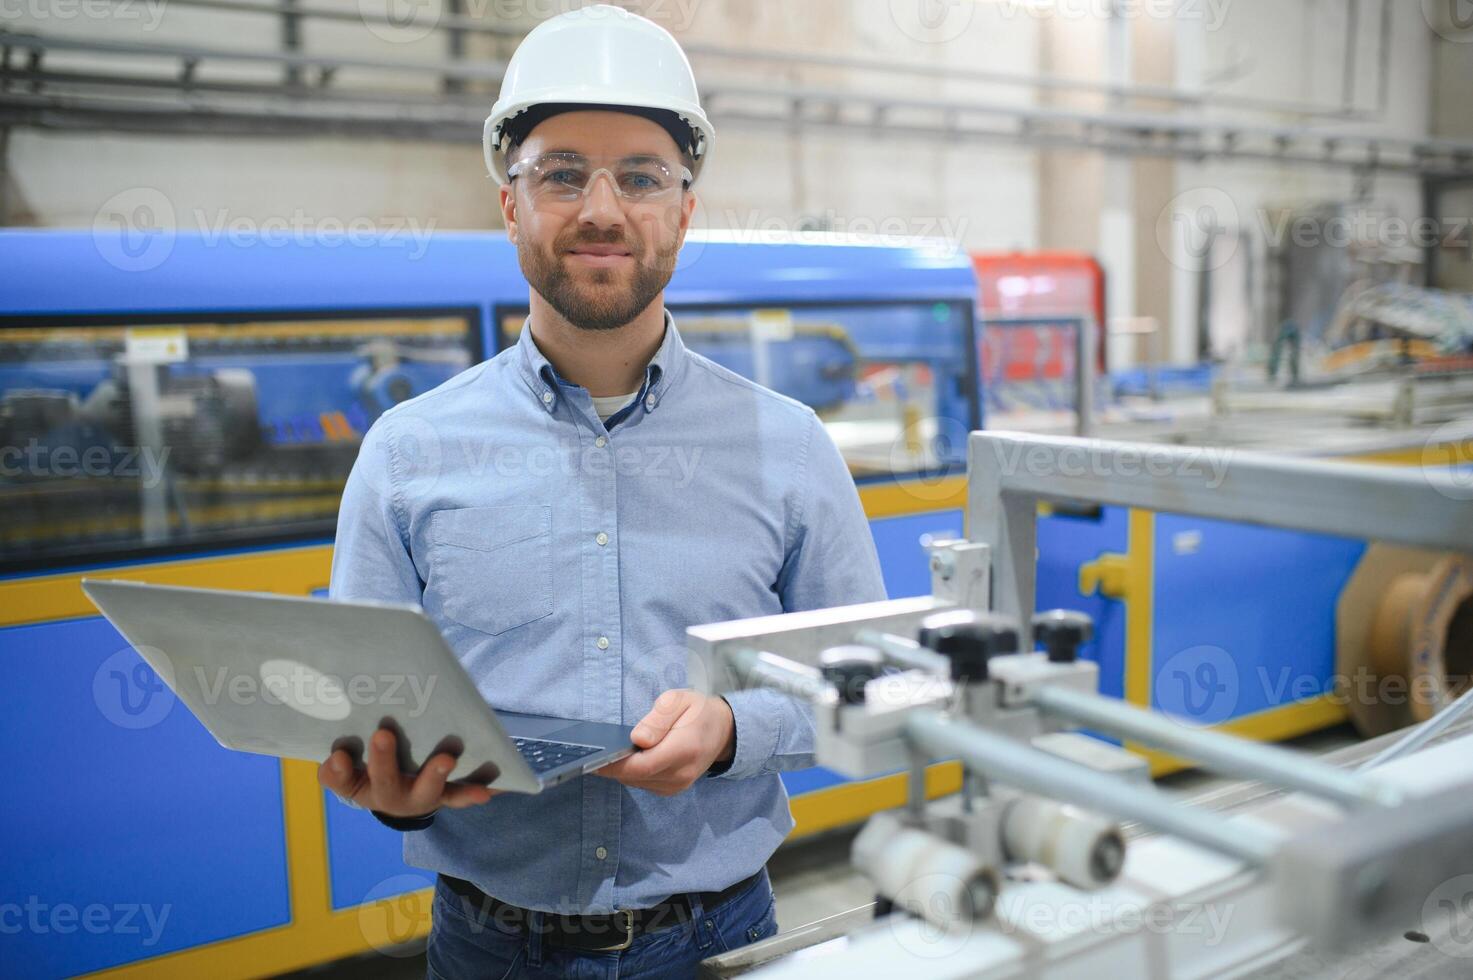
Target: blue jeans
{"points": [[464, 943]]}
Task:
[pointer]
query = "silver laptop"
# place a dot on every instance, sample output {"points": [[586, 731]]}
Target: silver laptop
{"points": [[298, 678]]}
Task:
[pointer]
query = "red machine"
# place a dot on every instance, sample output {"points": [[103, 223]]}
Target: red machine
{"points": [[1038, 284]]}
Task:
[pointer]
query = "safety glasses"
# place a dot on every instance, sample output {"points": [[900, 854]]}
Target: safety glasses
{"points": [[563, 178]]}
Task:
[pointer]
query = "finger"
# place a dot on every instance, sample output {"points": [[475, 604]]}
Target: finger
{"points": [[336, 773], [614, 770], [384, 774], [429, 785], [630, 771], [662, 717], [458, 795], [649, 764]]}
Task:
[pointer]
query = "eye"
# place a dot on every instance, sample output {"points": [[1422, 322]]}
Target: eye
{"points": [[564, 176], [640, 182]]}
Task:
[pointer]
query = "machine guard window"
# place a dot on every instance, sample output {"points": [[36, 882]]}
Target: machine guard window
{"points": [[128, 437]]}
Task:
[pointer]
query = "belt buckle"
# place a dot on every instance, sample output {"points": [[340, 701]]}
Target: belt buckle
{"points": [[628, 915]]}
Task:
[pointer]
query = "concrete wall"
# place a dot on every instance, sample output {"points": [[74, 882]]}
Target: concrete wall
{"points": [[1136, 214], [758, 181]]}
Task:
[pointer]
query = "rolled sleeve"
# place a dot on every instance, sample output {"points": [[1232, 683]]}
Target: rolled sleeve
{"points": [[759, 717], [831, 561]]}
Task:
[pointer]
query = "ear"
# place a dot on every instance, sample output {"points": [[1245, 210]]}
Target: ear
{"points": [[509, 211]]}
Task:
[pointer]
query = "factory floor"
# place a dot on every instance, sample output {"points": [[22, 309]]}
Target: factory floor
{"points": [[813, 880]]}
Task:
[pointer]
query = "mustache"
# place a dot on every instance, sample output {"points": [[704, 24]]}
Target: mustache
{"points": [[595, 237]]}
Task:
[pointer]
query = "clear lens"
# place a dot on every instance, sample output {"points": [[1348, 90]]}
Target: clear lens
{"points": [[567, 177]]}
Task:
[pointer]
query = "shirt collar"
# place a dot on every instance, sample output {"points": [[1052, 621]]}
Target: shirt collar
{"points": [[660, 375]]}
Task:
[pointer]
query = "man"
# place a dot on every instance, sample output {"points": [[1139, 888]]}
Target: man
{"points": [[564, 511]]}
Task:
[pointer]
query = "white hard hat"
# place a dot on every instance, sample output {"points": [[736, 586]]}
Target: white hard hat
{"points": [[598, 55]]}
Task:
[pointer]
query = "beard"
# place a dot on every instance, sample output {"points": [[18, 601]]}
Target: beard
{"points": [[597, 299]]}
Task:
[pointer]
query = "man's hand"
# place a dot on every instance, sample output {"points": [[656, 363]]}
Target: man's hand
{"points": [[684, 733], [384, 787]]}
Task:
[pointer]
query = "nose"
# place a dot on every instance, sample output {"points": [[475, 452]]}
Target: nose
{"points": [[601, 206]]}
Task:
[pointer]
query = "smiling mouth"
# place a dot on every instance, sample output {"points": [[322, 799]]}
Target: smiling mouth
{"points": [[599, 256]]}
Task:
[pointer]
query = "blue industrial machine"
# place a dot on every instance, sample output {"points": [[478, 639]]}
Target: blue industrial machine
{"points": [[181, 410]]}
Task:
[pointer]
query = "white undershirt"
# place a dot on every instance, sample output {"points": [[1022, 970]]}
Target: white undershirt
{"points": [[610, 404]]}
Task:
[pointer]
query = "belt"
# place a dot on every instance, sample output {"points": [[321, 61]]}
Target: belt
{"points": [[596, 933]]}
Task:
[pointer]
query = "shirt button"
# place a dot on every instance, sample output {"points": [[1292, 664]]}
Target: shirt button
{"points": [[547, 398], [601, 853], [649, 403], [600, 442], [603, 642], [601, 538]]}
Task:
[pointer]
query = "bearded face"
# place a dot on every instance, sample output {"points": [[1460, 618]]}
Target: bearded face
{"points": [[602, 255], [599, 278]]}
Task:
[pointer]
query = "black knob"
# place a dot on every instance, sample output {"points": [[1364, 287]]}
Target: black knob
{"points": [[849, 668], [968, 639], [1061, 632]]}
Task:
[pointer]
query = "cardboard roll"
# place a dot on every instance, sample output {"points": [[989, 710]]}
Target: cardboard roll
{"points": [[1403, 636]]}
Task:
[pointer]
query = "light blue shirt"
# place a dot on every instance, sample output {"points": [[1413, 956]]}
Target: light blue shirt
{"points": [[563, 562]]}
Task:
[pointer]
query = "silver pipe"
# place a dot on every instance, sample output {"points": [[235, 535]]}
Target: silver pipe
{"points": [[1148, 145], [1216, 751], [1024, 767], [1357, 500], [755, 668], [904, 652], [1424, 733], [1184, 137], [1152, 93], [1178, 127], [1352, 35], [1383, 67], [480, 70]]}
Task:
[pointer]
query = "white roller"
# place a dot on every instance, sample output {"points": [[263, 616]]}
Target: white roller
{"points": [[1082, 849], [939, 881]]}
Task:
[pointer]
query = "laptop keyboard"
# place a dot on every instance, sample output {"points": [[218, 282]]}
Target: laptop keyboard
{"points": [[543, 755]]}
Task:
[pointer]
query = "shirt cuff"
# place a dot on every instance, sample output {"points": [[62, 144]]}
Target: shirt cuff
{"points": [[722, 767], [404, 823], [758, 729]]}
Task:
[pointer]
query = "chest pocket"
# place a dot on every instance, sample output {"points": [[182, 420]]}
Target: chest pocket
{"points": [[491, 567]]}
